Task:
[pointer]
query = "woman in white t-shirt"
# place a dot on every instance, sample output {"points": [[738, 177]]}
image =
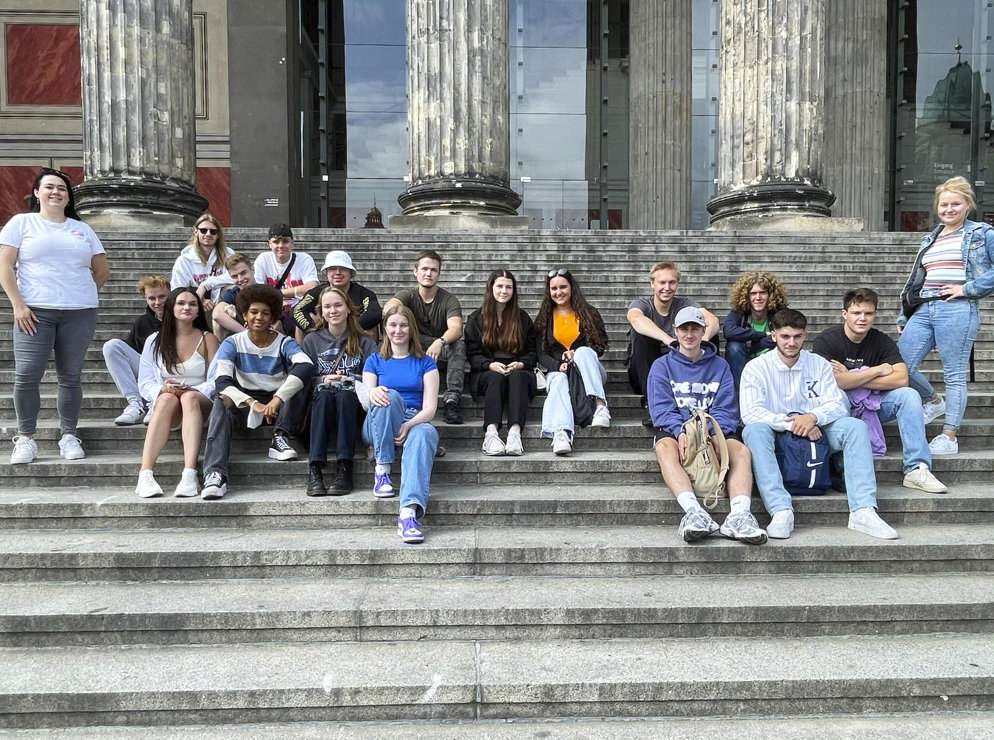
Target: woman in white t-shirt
{"points": [[201, 263], [60, 265]]}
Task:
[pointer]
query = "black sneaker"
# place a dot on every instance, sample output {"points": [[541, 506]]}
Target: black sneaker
{"points": [[281, 449], [315, 481], [343, 479], [452, 414], [215, 486]]}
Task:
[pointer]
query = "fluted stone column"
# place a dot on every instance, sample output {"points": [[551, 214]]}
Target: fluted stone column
{"points": [[771, 117], [855, 110], [139, 136], [458, 111], [660, 110]]}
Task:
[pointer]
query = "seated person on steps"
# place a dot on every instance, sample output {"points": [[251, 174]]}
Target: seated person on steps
{"points": [[754, 298]]}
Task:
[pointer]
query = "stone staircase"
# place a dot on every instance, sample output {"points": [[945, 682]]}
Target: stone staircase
{"points": [[552, 597]]}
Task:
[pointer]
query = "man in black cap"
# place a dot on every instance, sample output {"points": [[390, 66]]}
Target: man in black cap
{"points": [[293, 274]]}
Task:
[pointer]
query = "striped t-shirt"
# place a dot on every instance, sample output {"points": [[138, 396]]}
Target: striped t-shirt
{"points": [[258, 368], [943, 263]]}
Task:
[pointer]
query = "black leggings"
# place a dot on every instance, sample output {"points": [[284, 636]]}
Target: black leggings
{"points": [[516, 390]]}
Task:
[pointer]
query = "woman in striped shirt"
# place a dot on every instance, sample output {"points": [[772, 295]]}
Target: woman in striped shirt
{"points": [[952, 271]]}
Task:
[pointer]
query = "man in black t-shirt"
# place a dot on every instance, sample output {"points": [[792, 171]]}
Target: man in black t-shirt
{"points": [[863, 357]]}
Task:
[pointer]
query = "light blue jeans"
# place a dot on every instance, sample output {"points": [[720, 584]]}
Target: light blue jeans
{"points": [[381, 426], [950, 326], [557, 413], [905, 405], [122, 364], [68, 333], [846, 434]]}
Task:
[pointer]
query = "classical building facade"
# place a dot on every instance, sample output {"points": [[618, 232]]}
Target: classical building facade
{"points": [[573, 114]]}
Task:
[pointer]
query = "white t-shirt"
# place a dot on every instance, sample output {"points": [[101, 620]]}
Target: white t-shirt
{"points": [[268, 270], [53, 261]]}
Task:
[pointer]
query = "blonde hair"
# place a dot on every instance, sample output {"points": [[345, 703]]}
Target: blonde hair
{"points": [[153, 281], [665, 265], [353, 332], [959, 185], [413, 337]]}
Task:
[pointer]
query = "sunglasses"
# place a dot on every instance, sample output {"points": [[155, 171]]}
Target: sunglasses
{"points": [[206, 231], [558, 273]]}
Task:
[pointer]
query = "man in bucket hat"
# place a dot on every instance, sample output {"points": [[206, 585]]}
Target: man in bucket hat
{"points": [[340, 271]]}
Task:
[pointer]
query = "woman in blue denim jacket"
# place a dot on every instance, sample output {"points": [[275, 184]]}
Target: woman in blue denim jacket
{"points": [[948, 282]]}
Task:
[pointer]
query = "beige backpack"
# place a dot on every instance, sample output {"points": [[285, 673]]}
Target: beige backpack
{"points": [[705, 470]]}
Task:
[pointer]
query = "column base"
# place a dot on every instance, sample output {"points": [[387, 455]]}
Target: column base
{"points": [[124, 202], [459, 197], [458, 222], [786, 199], [787, 222]]}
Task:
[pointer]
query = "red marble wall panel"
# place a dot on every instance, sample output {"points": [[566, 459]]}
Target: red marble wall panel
{"points": [[43, 66], [15, 184], [214, 183]]}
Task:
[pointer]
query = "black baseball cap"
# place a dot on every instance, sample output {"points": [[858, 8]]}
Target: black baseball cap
{"points": [[280, 229]]}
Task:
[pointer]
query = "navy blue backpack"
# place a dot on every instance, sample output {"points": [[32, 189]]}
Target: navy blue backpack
{"points": [[804, 465]]}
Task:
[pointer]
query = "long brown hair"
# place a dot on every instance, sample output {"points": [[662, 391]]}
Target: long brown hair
{"points": [[413, 338], [510, 330], [165, 343], [220, 250], [353, 332], [589, 325]]}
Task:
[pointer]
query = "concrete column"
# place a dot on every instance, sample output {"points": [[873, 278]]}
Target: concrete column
{"points": [[458, 110], [139, 136], [660, 109], [771, 117], [856, 133]]}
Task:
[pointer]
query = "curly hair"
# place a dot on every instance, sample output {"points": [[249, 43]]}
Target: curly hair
{"points": [[353, 332], [738, 294], [265, 294], [589, 325], [510, 330]]}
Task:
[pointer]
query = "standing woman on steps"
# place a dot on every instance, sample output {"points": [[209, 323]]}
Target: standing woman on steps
{"points": [[403, 398], [60, 265], [200, 265], [569, 332], [178, 390], [953, 270], [500, 344]]}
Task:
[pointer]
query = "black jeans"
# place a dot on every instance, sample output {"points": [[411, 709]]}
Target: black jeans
{"points": [[642, 351], [516, 390], [222, 420], [337, 409]]}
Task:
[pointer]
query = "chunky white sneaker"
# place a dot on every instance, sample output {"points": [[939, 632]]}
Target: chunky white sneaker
{"points": [[942, 445], [147, 487], [867, 521], [697, 524], [933, 410], [513, 445], [602, 417], [561, 444], [187, 486], [70, 447], [922, 479], [492, 445], [131, 415], [742, 526], [25, 450], [781, 526]]}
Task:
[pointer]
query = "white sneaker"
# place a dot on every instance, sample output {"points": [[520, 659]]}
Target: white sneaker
{"points": [[492, 445], [781, 525], [560, 443], [25, 450], [513, 445], [602, 417], [922, 479], [933, 410], [70, 447], [148, 417], [942, 445], [867, 521], [131, 415], [147, 487], [187, 486]]}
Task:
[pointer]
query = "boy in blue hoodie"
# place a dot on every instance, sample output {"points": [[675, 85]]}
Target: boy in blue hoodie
{"points": [[693, 376]]}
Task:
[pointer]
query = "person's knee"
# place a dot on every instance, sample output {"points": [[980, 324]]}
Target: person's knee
{"points": [[738, 454], [667, 450], [735, 350], [556, 381], [757, 435], [424, 434]]}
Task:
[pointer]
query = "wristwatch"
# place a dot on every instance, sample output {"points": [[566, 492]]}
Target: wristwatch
{"points": [[442, 340]]}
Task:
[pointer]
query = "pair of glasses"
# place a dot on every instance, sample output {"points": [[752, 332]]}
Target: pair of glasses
{"points": [[205, 231], [558, 273]]}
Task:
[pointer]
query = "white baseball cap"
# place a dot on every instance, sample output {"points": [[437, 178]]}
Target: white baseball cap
{"points": [[689, 315]]}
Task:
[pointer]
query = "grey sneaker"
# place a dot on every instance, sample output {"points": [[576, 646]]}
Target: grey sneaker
{"points": [[743, 527], [697, 524]]}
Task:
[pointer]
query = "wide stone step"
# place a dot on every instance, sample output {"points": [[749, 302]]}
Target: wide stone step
{"points": [[491, 608], [520, 679], [192, 554]]}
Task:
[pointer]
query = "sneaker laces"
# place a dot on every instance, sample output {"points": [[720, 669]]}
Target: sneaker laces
{"points": [[213, 479], [280, 443]]}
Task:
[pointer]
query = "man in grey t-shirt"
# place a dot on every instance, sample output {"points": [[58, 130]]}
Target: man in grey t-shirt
{"points": [[651, 318]]}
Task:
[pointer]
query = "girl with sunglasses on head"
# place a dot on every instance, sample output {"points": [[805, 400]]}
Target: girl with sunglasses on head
{"points": [[569, 332], [500, 344], [200, 265], [61, 265], [175, 377]]}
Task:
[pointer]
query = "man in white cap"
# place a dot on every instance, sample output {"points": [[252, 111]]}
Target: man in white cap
{"points": [[689, 376], [339, 270]]}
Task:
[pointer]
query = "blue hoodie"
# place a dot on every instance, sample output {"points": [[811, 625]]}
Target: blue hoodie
{"points": [[676, 385]]}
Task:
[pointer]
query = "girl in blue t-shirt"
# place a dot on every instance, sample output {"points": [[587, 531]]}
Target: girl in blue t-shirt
{"points": [[403, 397]]}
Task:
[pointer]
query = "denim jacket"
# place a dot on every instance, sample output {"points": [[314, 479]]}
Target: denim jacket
{"points": [[978, 260]]}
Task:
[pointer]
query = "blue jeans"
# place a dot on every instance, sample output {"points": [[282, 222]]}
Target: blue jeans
{"points": [[846, 434], [905, 405], [122, 364], [69, 334], [381, 426], [950, 326], [736, 355], [557, 412]]}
